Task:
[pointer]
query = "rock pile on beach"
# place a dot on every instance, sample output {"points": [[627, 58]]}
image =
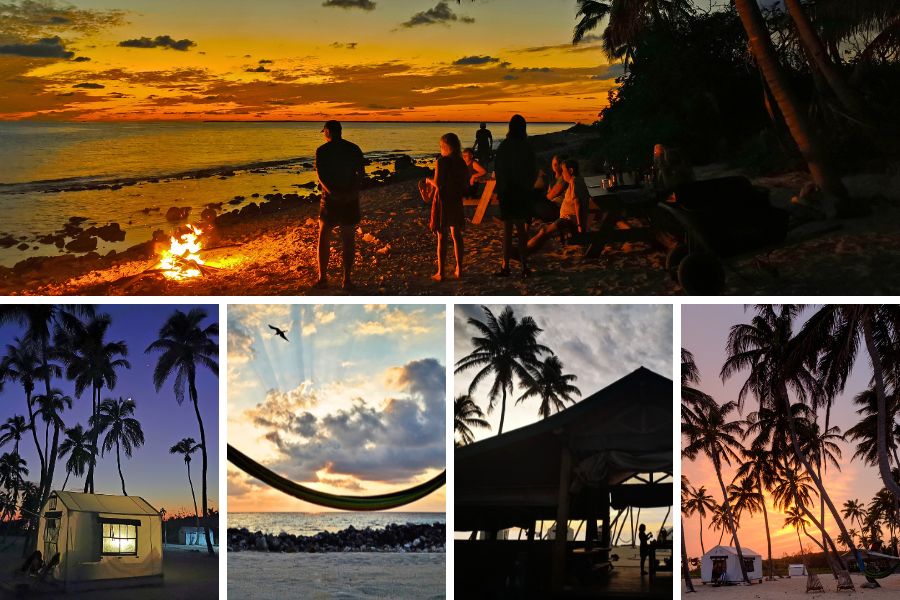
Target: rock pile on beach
{"points": [[393, 538]]}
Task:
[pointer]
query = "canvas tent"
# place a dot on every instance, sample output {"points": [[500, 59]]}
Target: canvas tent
{"points": [[102, 540], [193, 536], [724, 559], [797, 570]]}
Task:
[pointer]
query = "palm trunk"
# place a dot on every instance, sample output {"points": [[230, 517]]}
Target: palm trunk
{"points": [[832, 555], [768, 535], [702, 547], [685, 569], [51, 464], [794, 116], [194, 496], [119, 465], [37, 444], [66, 480], [502, 411], [95, 401], [730, 519], [193, 391], [817, 54], [884, 465]]}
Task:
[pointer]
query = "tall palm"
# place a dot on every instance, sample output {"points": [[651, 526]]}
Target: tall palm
{"points": [[551, 385], [744, 496], [50, 408], [13, 430], [806, 138], [797, 520], [714, 435], [854, 511], [91, 363], [184, 345], [759, 467], [115, 418], [506, 348], [793, 489], [185, 448], [21, 364], [865, 432], [467, 415], [13, 470], [79, 446], [778, 364], [698, 502]]}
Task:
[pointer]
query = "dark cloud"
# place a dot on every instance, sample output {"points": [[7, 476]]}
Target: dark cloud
{"points": [[395, 443], [509, 77], [81, 59], [536, 70], [344, 45], [265, 61], [476, 60], [361, 4], [160, 41], [50, 47], [33, 18], [259, 69], [89, 86], [611, 72], [441, 14]]}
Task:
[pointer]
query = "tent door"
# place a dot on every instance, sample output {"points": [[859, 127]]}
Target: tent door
{"points": [[719, 566]]}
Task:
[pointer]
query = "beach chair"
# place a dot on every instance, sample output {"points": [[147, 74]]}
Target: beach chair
{"points": [[845, 583], [813, 583], [481, 204]]}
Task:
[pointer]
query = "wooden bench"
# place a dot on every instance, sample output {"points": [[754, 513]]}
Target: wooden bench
{"points": [[481, 204]]}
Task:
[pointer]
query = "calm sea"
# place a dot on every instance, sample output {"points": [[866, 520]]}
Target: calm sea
{"points": [[313, 523], [44, 165]]}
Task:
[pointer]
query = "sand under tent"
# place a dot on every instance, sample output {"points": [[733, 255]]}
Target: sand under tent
{"points": [[102, 540]]}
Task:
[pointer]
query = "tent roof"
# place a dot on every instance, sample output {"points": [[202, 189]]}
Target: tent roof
{"points": [[514, 477], [719, 550], [103, 503]]}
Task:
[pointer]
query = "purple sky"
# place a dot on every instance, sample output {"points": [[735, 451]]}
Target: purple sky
{"points": [[153, 473]]}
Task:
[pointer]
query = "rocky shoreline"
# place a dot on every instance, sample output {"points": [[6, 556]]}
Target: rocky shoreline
{"points": [[403, 538]]}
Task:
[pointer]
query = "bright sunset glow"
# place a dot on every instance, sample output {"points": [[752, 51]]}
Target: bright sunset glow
{"points": [[353, 404], [97, 60]]}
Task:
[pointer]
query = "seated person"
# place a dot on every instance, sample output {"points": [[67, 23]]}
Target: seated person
{"points": [[557, 189], [549, 194], [572, 213], [476, 172]]}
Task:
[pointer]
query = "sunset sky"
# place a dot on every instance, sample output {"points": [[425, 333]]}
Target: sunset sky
{"points": [[353, 404], [153, 472], [298, 59], [704, 332]]}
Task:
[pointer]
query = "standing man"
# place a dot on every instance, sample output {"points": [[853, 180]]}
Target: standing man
{"points": [[340, 166], [484, 145]]}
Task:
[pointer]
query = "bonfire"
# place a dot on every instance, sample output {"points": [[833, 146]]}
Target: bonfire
{"points": [[181, 260]]}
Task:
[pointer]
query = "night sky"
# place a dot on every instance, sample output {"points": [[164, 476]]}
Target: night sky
{"points": [[152, 473]]}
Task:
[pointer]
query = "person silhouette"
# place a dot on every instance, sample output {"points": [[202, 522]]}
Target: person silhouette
{"points": [[645, 545], [516, 170], [341, 168], [484, 145]]}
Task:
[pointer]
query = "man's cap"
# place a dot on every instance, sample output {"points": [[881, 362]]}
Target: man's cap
{"points": [[332, 126]]}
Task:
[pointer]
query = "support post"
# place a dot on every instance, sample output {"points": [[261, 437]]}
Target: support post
{"points": [[562, 520]]}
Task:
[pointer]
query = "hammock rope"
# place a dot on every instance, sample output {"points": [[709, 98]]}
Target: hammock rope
{"points": [[359, 503]]}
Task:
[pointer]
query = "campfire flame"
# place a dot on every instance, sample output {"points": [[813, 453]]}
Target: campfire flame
{"points": [[182, 259]]}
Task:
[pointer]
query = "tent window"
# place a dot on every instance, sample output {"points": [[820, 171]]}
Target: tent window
{"points": [[52, 503], [51, 530], [748, 565], [119, 539]]}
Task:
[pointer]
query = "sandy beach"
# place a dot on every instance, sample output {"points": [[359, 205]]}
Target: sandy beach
{"points": [[336, 575], [795, 588]]}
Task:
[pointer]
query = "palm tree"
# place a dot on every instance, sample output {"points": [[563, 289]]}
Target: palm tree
{"points": [[506, 348], [186, 447], [21, 364], [79, 446], [779, 362], [116, 419], [715, 436], [853, 510], [797, 520], [184, 345], [91, 362], [467, 415], [759, 467], [13, 430], [697, 502], [550, 385], [865, 432], [13, 469], [50, 407]]}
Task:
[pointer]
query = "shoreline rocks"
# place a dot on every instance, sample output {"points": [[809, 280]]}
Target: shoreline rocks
{"points": [[399, 538]]}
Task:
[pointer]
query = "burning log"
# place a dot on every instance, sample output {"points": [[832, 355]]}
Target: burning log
{"points": [[182, 259]]}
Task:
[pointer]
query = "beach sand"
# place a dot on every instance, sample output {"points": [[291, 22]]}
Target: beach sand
{"points": [[255, 575], [794, 588]]}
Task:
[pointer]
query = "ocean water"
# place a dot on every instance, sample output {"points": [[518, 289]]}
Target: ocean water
{"points": [[313, 523], [131, 173]]}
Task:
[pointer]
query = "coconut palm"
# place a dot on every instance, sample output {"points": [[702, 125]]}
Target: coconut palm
{"points": [[854, 511], [115, 418], [186, 447], [797, 520], [685, 569], [50, 408], [506, 348], [21, 364], [184, 345], [865, 432], [553, 387], [79, 446], [760, 467], [698, 502], [13, 469], [780, 364], [466, 415], [13, 430], [91, 363], [715, 436]]}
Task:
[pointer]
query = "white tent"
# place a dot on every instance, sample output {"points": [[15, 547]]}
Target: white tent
{"points": [[724, 559], [797, 570], [101, 540]]}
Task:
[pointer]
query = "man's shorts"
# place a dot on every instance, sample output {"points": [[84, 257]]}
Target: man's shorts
{"points": [[339, 209]]}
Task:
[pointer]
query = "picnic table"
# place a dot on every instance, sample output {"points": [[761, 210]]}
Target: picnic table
{"points": [[613, 206]]}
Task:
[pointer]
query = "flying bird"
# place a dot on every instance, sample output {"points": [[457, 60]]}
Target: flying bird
{"points": [[279, 333]]}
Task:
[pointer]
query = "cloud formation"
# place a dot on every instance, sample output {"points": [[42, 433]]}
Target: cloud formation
{"points": [[344, 45], [441, 14], [361, 4], [90, 86], [476, 60], [50, 47], [160, 41]]}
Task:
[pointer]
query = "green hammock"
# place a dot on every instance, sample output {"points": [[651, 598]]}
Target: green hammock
{"points": [[380, 502], [882, 574]]}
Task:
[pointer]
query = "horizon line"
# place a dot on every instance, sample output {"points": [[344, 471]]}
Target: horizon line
{"points": [[267, 121]]}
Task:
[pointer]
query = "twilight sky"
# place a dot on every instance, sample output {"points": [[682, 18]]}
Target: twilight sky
{"points": [[152, 473], [352, 404], [704, 332], [416, 60]]}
